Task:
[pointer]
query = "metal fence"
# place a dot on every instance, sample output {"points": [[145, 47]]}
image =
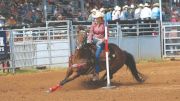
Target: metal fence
{"points": [[40, 47], [142, 39], [171, 40], [51, 46]]}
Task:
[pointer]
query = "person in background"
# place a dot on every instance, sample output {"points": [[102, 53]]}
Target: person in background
{"points": [[137, 11], [91, 16], [131, 12], [2, 20], [146, 12], [155, 12], [102, 10], [124, 13], [60, 17], [80, 17], [11, 21], [108, 15], [116, 13]]}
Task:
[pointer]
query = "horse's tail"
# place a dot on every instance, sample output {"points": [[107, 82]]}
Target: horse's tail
{"points": [[131, 64]]}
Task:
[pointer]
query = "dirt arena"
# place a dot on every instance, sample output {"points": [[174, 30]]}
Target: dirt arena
{"points": [[162, 84]]}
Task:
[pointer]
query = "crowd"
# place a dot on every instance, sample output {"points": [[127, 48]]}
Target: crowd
{"points": [[31, 11], [143, 12]]}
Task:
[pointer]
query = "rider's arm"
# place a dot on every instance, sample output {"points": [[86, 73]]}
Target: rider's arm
{"points": [[90, 34]]}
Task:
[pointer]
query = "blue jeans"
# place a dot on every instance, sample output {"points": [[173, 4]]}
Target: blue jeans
{"points": [[99, 48]]}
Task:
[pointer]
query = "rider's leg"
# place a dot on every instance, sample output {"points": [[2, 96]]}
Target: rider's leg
{"points": [[98, 52], [97, 55]]}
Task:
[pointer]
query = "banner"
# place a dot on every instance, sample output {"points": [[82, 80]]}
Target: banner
{"points": [[3, 46]]}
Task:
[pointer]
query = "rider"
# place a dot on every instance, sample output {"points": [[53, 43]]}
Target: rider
{"points": [[97, 36]]}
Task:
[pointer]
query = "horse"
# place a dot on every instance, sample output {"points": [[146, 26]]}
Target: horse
{"points": [[82, 61]]}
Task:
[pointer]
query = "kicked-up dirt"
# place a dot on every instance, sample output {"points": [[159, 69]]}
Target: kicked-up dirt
{"points": [[162, 84]]}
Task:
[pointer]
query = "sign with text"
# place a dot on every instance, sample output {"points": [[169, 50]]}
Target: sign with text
{"points": [[3, 45]]}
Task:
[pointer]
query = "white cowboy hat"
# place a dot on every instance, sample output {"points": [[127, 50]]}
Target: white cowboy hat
{"points": [[156, 4], [126, 6], [98, 14], [2, 18], [132, 6], [102, 9], [141, 5], [93, 10], [146, 5], [117, 8]]}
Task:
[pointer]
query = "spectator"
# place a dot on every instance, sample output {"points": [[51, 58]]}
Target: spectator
{"points": [[116, 13], [131, 12], [146, 12], [34, 17], [80, 17], [108, 15], [102, 10], [155, 11], [91, 16], [11, 21], [2, 21], [137, 11], [60, 17], [173, 19], [124, 13]]}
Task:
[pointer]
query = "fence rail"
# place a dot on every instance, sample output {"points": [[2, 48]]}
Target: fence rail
{"points": [[52, 45]]}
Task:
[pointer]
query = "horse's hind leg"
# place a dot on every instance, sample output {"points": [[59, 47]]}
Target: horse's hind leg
{"points": [[111, 72]]}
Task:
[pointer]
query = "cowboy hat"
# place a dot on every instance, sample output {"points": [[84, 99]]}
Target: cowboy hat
{"points": [[2, 18], [132, 6], [126, 6], [93, 10], [141, 5], [98, 14], [117, 8], [156, 4], [102, 9], [146, 5]]}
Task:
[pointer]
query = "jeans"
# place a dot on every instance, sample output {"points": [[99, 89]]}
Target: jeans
{"points": [[99, 48]]}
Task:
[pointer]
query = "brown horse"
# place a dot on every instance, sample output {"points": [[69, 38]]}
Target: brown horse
{"points": [[82, 62]]}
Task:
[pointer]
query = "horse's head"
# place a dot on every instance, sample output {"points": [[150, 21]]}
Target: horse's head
{"points": [[82, 58], [81, 38]]}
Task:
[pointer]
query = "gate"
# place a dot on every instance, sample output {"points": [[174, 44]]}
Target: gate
{"points": [[42, 46], [171, 40]]}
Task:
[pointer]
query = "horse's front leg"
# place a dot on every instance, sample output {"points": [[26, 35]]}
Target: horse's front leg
{"points": [[69, 78]]}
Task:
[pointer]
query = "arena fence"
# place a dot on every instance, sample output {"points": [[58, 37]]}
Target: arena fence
{"points": [[140, 38], [171, 40], [51, 46]]}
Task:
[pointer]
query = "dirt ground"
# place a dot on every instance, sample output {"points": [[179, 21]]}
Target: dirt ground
{"points": [[162, 84]]}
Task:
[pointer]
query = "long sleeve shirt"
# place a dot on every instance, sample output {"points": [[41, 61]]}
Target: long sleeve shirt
{"points": [[145, 13], [98, 30]]}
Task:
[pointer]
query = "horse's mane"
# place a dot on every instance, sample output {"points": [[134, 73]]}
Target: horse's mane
{"points": [[85, 51]]}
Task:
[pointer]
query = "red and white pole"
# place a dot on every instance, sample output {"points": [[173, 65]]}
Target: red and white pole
{"points": [[107, 57]]}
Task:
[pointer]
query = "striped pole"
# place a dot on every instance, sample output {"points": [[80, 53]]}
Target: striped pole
{"points": [[107, 57]]}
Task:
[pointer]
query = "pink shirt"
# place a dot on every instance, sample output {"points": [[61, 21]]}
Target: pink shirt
{"points": [[98, 30]]}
